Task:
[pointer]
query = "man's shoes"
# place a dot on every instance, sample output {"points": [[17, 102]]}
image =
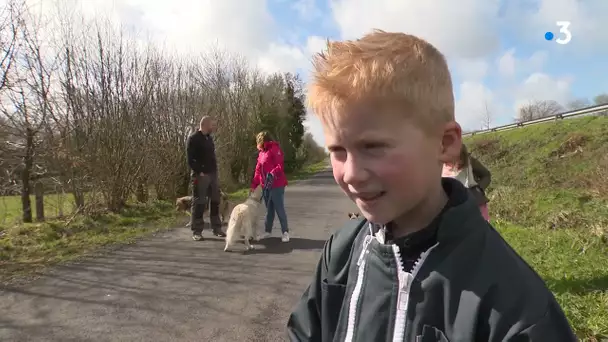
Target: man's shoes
{"points": [[197, 237], [219, 233], [285, 237], [266, 235]]}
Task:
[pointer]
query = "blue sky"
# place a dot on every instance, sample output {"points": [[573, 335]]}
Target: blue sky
{"points": [[496, 49]]}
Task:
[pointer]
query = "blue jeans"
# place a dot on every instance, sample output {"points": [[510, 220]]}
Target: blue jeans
{"points": [[275, 202]]}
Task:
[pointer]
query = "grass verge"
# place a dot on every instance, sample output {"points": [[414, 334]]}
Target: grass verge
{"points": [[556, 172], [27, 248], [573, 265]]}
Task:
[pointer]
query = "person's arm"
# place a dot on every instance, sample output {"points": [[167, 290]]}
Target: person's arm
{"points": [[257, 175], [315, 317], [552, 326], [190, 151], [481, 174], [530, 321], [520, 307]]}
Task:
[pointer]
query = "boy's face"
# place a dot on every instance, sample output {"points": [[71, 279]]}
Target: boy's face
{"points": [[386, 164]]}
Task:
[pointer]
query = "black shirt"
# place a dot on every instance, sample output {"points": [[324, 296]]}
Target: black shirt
{"points": [[413, 245], [201, 153]]}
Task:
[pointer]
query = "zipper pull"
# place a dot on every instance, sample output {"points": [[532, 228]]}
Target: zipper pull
{"points": [[405, 279]]}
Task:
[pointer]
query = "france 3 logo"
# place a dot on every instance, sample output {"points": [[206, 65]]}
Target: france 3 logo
{"points": [[565, 36]]}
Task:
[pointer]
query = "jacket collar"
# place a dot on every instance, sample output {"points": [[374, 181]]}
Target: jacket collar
{"points": [[460, 218]]}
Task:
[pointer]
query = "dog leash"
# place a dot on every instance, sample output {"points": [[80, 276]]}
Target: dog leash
{"points": [[266, 190]]}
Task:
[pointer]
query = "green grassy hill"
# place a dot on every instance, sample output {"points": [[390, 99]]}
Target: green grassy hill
{"points": [[549, 199]]}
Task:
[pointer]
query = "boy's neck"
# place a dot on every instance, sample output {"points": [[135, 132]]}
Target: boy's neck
{"points": [[420, 216]]}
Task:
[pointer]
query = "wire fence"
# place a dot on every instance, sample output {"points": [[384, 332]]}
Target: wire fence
{"points": [[593, 110]]}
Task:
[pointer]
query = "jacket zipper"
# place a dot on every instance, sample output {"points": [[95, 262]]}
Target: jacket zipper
{"points": [[405, 280], [354, 299]]}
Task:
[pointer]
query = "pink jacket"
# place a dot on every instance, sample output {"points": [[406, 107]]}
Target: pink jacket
{"points": [[270, 160]]}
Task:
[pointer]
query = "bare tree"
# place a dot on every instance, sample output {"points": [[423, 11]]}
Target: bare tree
{"points": [[29, 104], [10, 17], [600, 100], [486, 118], [106, 119], [538, 109], [578, 104]]}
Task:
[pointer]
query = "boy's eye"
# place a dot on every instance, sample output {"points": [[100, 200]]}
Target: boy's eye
{"points": [[334, 149], [374, 145], [337, 152]]}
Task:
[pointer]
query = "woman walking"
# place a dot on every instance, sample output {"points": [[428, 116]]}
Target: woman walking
{"points": [[269, 172], [473, 175]]}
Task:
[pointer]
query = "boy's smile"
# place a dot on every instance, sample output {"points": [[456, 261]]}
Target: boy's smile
{"points": [[367, 199]]}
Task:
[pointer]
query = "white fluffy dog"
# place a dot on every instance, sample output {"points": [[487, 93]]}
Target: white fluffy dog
{"points": [[243, 220]]}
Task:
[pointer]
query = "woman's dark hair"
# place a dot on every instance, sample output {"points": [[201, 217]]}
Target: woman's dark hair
{"points": [[463, 159]]}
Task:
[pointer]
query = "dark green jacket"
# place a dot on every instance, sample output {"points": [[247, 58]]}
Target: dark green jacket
{"points": [[470, 286], [483, 178]]}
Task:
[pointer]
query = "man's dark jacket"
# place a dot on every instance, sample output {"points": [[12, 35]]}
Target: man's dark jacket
{"points": [[470, 286], [201, 153]]}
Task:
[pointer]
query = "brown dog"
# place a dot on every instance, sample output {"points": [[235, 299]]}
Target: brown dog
{"points": [[185, 203]]}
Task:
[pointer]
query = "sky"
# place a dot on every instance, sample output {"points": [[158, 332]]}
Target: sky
{"points": [[496, 49]]}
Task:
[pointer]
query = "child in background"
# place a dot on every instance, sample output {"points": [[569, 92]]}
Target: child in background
{"points": [[473, 175]]}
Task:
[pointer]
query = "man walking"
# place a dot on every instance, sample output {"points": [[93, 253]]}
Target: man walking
{"points": [[202, 161]]}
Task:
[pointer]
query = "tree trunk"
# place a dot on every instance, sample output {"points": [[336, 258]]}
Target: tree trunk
{"points": [[78, 198], [142, 192], [28, 161], [26, 203], [39, 193]]}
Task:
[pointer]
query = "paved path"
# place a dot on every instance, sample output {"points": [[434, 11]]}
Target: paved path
{"points": [[170, 288]]}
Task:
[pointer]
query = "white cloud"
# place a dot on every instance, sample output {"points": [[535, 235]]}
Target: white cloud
{"points": [[510, 66], [506, 64], [474, 101], [315, 44], [281, 58], [540, 86], [465, 28], [191, 27], [471, 69], [307, 9]]}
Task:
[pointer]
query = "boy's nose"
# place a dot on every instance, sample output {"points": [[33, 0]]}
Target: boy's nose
{"points": [[354, 172]]}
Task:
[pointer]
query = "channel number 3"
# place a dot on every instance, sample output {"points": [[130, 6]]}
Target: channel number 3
{"points": [[564, 29]]}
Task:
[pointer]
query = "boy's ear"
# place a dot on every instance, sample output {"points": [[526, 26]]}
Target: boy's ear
{"points": [[451, 142]]}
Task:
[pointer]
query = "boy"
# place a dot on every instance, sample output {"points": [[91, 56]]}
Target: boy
{"points": [[429, 267]]}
